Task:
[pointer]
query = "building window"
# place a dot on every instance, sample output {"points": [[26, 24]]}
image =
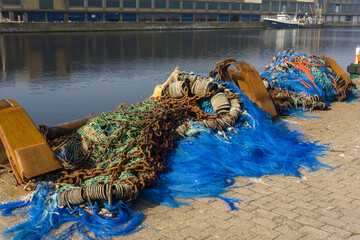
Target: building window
{"points": [[112, 3], [173, 17], [337, 8], [129, 17], [343, 8], [129, 3], [186, 17], [266, 6], [235, 18], [76, 17], [245, 17], [12, 2], [223, 17], [188, 5], [212, 6], [224, 6], [160, 3], [200, 17], [283, 6], [94, 3], [292, 6], [235, 7], [159, 17], [246, 6], [275, 6], [174, 5], [94, 17], [307, 7], [55, 17], [356, 8], [46, 4], [76, 3], [255, 18], [144, 4], [255, 7], [112, 17], [36, 16], [212, 17], [301, 6], [145, 17], [200, 5], [330, 8]]}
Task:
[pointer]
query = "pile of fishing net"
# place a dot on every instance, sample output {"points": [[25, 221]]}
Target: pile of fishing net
{"points": [[192, 141], [305, 81]]}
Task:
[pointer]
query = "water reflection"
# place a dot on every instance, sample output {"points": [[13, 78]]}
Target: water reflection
{"points": [[82, 73]]}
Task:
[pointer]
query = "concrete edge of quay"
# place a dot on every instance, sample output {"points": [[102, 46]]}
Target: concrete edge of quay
{"points": [[14, 27], [22, 27]]}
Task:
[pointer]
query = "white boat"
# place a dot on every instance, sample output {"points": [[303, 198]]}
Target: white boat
{"points": [[283, 20]]}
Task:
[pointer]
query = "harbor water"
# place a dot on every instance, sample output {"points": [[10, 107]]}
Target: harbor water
{"points": [[59, 77]]}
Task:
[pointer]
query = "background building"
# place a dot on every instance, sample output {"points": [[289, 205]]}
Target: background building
{"points": [[171, 10]]}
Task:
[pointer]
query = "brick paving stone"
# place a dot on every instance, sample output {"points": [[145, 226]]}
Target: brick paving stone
{"points": [[336, 231], [218, 223], [287, 206], [349, 219], [286, 237], [354, 237], [281, 191], [239, 223], [219, 233], [306, 212], [269, 206], [283, 197], [333, 237], [341, 197], [262, 213], [265, 232], [243, 233], [241, 213], [168, 233], [314, 232], [219, 204], [331, 221], [333, 189], [256, 196], [309, 221], [148, 234], [286, 230], [320, 203], [307, 205], [356, 202], [265, 222], [197, 233], [353, 228], [222, 215], [285, 213]]}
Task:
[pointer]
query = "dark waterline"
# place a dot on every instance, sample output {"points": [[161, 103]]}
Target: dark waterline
{"points": [[62, 77]]}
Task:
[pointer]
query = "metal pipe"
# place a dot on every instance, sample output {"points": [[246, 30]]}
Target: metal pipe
{"points": [[65, 128]]}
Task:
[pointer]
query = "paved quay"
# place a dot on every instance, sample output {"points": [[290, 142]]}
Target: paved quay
{"points": [[324, 204]]}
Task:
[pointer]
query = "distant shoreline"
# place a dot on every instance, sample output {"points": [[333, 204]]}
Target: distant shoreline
{"points": [[16, 27]]}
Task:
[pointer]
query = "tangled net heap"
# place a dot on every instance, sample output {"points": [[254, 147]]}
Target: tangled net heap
{"points": [[118, 153], [300, 80]]}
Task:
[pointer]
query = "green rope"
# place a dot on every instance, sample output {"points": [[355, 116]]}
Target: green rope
{"points": [[91, 142]]}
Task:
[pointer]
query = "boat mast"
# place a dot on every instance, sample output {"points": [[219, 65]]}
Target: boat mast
{"points": [[317, 12]]}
